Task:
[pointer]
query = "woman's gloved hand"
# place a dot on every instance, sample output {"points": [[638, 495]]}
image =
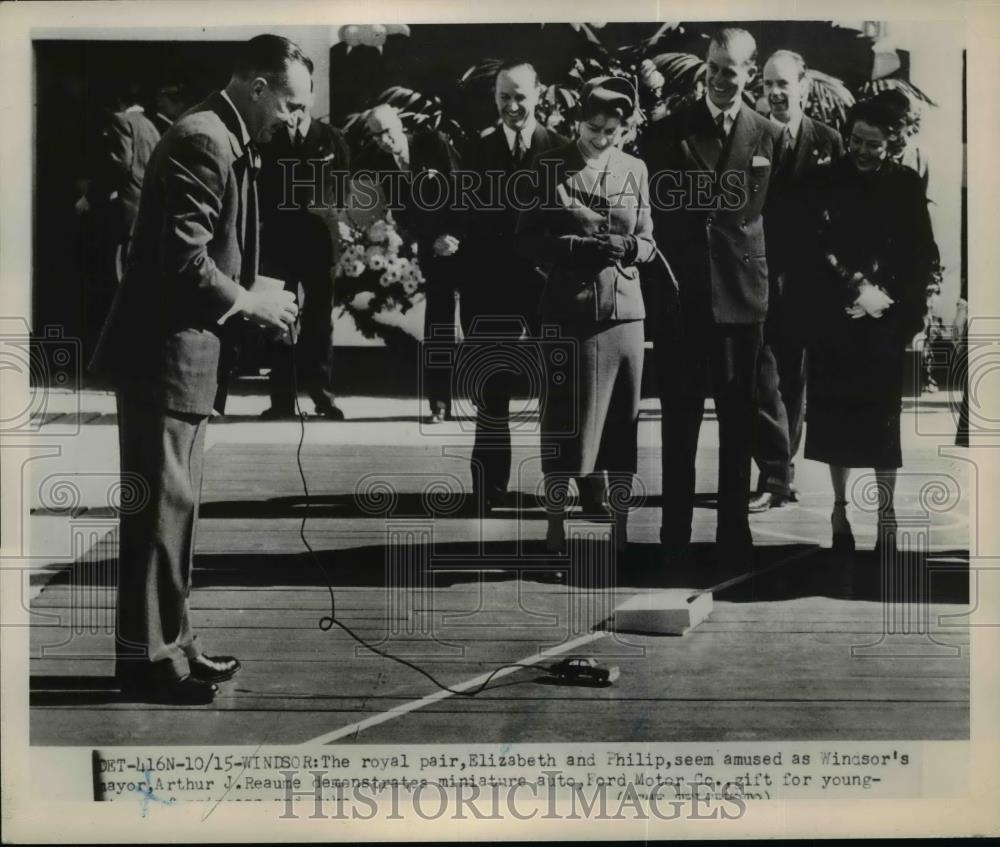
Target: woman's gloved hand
{"points": [[592, 250], [871, 300], [626, 247]]}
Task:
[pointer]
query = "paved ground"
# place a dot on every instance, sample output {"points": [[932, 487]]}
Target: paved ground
{"points": [[803, 647]]}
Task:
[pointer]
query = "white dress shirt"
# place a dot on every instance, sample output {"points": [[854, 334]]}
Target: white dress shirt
{"points": [[303, 127], [731, 113], [526, 132], [791, 128]]}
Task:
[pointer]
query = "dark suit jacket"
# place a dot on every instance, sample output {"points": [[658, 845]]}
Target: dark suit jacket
{"points": [[876, 224], [579, 291], [816, 145], [497, 281], [294, 237], [131, 138], [432, 161], [714, 243], [161, 341]]}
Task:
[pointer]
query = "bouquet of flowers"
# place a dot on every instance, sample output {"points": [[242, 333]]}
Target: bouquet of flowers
{"points": [[377, 274]]}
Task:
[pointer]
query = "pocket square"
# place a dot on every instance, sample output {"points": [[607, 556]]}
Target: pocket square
{"points": [[760, 162]]}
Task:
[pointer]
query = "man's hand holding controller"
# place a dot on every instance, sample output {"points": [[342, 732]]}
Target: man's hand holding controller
{"points": [[270, 306]]}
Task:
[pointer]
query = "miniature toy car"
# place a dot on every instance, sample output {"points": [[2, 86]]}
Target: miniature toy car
{"points": [[586, 670]]}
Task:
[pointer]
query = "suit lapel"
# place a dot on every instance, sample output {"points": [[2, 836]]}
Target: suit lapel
{"points": [[539, 142], [804, 147], [704, 144], [217, 103], [227, 114]]}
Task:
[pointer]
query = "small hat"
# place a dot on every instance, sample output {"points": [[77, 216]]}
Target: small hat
{"points": [[609, 90]]}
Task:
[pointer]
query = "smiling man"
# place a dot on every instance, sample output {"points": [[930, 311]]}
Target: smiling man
{"points": [[781, 380], [718, 254], [500, 290], [192, 263]]}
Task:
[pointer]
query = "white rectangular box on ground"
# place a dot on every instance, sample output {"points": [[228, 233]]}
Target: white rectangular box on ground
{"points": [[670, 612]]}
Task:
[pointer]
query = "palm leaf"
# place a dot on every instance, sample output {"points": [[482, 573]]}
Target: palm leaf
{"points": [[875, 86], [484, 70], [417, 111], [681, 73], [828, 99]]}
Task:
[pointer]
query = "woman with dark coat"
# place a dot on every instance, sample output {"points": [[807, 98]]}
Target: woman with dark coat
{"points": [[590, 229], [873, 258]]}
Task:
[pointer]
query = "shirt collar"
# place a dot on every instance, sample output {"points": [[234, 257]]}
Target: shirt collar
{"points": [[303, 127], [793, 126], [526, 132], [134, 108], [243, 127], [715, 111]]}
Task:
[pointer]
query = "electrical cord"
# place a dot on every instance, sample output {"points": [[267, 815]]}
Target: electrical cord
{"points": [[327, 622]]}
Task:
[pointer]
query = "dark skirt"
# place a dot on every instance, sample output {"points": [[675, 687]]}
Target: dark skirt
{"points": [[854, 392]]}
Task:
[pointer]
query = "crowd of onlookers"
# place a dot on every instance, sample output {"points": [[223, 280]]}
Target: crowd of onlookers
{"points": [[479, 262]]}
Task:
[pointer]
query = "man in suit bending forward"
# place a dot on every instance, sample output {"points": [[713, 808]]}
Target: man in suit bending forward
{"points": [[192, 264]]}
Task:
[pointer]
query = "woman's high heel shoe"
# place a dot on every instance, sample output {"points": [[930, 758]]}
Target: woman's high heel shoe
{"points": [[621, 530], [555, 536], [843, 537], [592, 502], [885, 537]]}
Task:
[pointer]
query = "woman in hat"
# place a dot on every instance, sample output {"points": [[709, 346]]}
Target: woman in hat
{"points": [[589, 229], [873, 257]]}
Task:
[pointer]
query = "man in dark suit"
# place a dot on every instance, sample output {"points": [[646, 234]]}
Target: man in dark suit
{"points": [[425, 160], [190, 272], [128, 139], [298, 247], [781, 379], [717, 155], [169, 103], [500, 289]]}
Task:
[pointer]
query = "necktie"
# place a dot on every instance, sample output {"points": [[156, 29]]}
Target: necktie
{"points": [[788, 154], [720, 125], [298, 140], [518, 153], [253, 158]]}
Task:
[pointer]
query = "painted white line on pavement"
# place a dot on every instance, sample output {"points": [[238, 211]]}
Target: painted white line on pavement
{"points": [[413, 705]]}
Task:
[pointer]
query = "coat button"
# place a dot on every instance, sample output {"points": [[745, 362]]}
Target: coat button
{"points": [[603, 228], [746, 257]]}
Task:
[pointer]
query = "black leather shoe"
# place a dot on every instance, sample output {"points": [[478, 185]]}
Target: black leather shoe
{"points": [[278, 413], [439, 412], [767, 500], [213, 668], [485, 504], [329, 411], [179, 692], [502, 499]]}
